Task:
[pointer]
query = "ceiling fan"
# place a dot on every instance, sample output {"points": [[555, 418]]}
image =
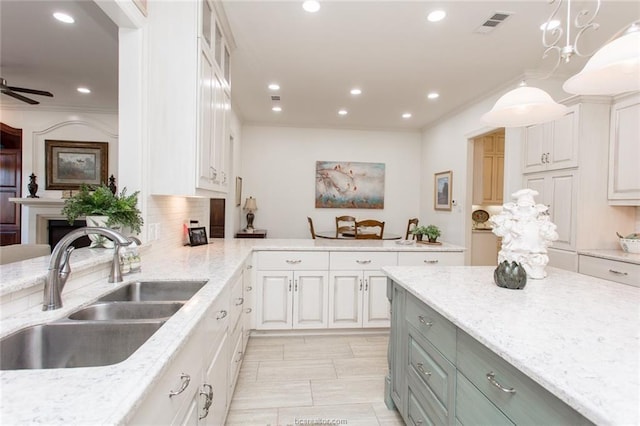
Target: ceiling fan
{"points": [[11, 91]]}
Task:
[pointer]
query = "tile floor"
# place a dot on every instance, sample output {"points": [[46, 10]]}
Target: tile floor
{"points": [[307, 379]]}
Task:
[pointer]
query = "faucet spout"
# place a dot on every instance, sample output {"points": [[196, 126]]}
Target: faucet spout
{"points": [[60, 263]]}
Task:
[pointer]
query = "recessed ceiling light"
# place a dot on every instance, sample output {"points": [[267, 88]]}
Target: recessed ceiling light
{"points": [[83, 90], [274, 86], [406, 115], [63, 17], [343, 112], [436, 15], [356, 91], [311, 6], [550, 25], [276, 109], [433, 95]]}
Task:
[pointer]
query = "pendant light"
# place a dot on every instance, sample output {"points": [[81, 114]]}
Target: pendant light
{"points": [[524, 106], [613, 69]]}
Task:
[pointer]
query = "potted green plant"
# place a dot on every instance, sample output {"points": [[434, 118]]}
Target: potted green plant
{"points": [[432, 232], [101, 207], [419, 231]]}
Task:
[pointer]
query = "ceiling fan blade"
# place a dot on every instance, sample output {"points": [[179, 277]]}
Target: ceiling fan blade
{"points": [[20, 97], [32, 91]]}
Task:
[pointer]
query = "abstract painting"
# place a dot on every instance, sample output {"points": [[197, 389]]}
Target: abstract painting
{"points": [[341, 184]]}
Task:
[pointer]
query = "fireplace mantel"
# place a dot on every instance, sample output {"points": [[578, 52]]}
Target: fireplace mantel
{"points": [[36, 212]]}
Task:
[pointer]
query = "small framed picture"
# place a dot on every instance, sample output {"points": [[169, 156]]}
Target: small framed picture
{"points": [[198, 236], [442, 190]]}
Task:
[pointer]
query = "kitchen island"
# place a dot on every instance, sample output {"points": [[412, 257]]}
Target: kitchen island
{"points": [[576, 336], [114, 394]]}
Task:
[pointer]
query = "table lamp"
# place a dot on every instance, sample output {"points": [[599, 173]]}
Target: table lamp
{"points": [[250, 205]]}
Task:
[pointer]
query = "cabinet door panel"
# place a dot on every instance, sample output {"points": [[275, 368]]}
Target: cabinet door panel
{"points": [[563, 151], [624, 151], [310, 300], [534, 148], [562, 209], [206, 106], [345, 299], [376, 309], [472, 407], [274, 303], [217, 377]]}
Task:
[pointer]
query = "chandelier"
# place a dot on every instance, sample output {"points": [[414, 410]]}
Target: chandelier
{"points": [[613, 69]]}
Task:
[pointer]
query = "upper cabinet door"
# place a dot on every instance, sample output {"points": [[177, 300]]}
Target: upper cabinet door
{"points": [[624, 152]]}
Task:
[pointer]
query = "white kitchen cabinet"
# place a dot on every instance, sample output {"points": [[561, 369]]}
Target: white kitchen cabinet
{"points": [[554, 145], [624, 152], [189, 122], [288, 299], [358, 297]]}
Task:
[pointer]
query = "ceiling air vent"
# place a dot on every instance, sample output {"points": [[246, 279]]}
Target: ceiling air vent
{"points": [[492, 22], [275, 98]]}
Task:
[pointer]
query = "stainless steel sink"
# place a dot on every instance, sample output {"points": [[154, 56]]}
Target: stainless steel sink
{"points": [[110, 311], [73, 344], [144, 291]]}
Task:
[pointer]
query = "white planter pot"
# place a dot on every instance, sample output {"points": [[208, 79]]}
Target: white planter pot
{"points": [[99, 241]]}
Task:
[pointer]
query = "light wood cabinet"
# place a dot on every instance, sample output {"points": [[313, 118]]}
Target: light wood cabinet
{"points": [[189, 123], [554, 145], [488, 181], [624, 152]]}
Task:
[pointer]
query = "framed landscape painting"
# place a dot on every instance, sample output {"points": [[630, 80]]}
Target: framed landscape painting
{"points": [[347, 184], [442, 190], [70, 164]]}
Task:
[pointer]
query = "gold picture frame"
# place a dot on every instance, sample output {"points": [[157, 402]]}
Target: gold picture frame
{"points": [[69, 164], [442, 190]]}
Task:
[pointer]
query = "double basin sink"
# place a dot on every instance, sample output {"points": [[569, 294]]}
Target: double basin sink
{"points": [[103, 333]]}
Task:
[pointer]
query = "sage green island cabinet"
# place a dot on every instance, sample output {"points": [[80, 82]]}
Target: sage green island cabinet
{"points": [[463, 351]]}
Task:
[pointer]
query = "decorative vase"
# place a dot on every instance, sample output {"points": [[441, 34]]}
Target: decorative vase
{"points": [[526, 232], [99, 241], [512, 276], [32, 186]]}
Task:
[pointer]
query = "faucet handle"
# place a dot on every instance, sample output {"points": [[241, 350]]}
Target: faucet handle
{"points": [[65, 268]]}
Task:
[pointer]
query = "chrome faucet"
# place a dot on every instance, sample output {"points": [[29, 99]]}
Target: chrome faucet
{"points": [[60, 267]]}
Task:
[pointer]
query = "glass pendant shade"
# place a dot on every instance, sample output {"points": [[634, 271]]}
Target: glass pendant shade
{"points": [[613, 69], [524, 106]]}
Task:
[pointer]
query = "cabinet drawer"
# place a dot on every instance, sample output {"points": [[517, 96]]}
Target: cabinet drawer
{"points": [[621, 272], [433, 375], [473, 408], [515, 394], [432, 326], [216, 322], [431, 258], [293, 260], [362, 260], [236, 303], [417, 414]]}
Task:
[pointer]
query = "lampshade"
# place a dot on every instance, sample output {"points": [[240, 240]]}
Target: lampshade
{"points": [[250, 204], [613, 69], [524, 106]]}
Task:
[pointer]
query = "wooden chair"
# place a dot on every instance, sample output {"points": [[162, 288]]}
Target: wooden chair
{"points": [[413, 222], [369, 223], [345, 224], [313, 232]]}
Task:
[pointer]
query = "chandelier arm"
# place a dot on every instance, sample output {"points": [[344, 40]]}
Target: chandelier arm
{"points": [[586, 12], [576, 49], [556, 32], [558, 51]]}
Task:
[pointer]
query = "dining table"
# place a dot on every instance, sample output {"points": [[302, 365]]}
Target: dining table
{"points": [[331, 235]]}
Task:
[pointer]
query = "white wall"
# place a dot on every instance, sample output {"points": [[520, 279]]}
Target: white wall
{"points": [[278, 169], [38, 125]]}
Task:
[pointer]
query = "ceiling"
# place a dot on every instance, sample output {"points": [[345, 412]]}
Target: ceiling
{"points": [[388, 49]]}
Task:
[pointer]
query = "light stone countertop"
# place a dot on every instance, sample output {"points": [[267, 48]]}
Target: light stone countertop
{"points": [[577, 336], [110, 394], [618, 255]]}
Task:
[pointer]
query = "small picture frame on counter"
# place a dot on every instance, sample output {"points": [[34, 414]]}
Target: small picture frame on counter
{"points": [[198, 236]]}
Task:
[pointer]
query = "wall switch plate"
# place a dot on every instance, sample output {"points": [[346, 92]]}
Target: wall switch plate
{"points": [[152, 232]]}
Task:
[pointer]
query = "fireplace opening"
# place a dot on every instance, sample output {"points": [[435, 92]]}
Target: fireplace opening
{"points": [[60, 228]]}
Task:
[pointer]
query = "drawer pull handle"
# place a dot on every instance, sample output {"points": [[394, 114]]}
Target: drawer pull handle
{"points": [[209, 399], [293, 262], [240, 355], [249, 266], [221, 315], [186, 379], [613, 271], [239, 301], [421, 369], [431, 261], [249, 310], [491, 377], [425, 322], [363, 262], [249, 288]]}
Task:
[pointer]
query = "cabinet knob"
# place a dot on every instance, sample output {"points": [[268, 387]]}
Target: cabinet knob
{"points": [[239, 301], [248, 310], [221, 314], [249, 288], [425, 322], [186, 379], [421, 369]]}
